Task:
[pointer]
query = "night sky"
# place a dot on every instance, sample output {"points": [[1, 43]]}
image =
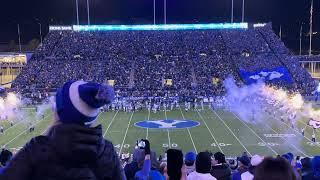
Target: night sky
{"points": [[287, 13]]}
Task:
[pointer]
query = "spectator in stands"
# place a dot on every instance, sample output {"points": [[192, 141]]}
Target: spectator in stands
{"points": [[220, 168], [306, 170], [243, 166], [203, 168], [73, 148], [298, 164], [147, 172], [175, 169], [233, 164], [5, 157], [274, 169], [163, 169], [255, 161], [290, 157], [316, 167], [133, 167], [189, 161]]}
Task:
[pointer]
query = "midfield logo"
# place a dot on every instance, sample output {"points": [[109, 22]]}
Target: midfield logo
{"points": [[167, 124]]}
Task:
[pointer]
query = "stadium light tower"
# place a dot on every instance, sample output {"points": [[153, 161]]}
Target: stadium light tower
{"points": [[300, 41], [310, 33], [231, 11], [88, 11], [154, 12], [165, 11], [77, 9], [40, 32], [243, 4], [18, 26]]}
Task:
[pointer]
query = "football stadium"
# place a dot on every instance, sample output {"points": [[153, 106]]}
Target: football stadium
{"points": [[197, 100]]}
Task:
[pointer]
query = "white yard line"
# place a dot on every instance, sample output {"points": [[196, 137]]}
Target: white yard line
{"points": [[205, 123], [17, 124], [13, 126], [306, 125], [231, 131], [24, 131], [286, 141], [194, 146], [299, 133], [148, 128], [169, 139], [256, 134], [125, 135], [113, 118]]}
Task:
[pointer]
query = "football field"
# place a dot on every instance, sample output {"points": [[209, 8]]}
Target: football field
{"points": [[213, 130]]}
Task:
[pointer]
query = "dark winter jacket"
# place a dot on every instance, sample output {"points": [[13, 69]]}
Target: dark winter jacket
{"points": [[237, 174], [68, 152], [131, 169], [221, 172]]}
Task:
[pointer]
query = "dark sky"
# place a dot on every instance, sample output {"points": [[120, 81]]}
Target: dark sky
{"points": [[289, 13]]}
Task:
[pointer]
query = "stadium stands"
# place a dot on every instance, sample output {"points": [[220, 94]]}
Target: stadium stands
{"points": [[139, 62]]}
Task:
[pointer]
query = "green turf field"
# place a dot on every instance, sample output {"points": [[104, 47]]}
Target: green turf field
{"points": [[218, 131]]}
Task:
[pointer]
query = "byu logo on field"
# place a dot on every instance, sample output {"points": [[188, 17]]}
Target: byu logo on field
{"points": [[167, 124]]}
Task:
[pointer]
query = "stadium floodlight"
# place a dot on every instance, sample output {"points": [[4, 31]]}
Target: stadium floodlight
{"points": [[165, 11], [154, 12], [160, 27], [19, 36], [88, 11], [77, 10], [300, 40], [231, 11], [40, 32], [310, 33], [243, 4]]}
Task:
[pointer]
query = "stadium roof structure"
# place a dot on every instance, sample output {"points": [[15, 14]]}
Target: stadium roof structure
{"points": [[160, 27]]}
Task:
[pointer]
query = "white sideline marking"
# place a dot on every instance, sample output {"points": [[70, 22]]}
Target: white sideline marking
{"points": [[169, 140], [114, 116], [194, 146], [288, 142], [210, 132], [25, 130], [256, 134], [125, 135], [231, 131], [148, 128]]}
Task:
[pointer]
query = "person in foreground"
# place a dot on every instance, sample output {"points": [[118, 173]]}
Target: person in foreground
{"points": [[203, 168], [72, 148], [274, 169]]}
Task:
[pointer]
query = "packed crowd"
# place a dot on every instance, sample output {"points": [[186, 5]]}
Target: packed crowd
{"points": [[139, 62], [144, 164], [208, 166]]}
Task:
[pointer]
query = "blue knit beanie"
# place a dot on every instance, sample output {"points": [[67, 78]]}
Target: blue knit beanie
{"points": [[190, 157], [79, 101]]}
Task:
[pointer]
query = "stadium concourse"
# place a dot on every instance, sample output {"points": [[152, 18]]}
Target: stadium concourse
{"points": [[189, 87]]}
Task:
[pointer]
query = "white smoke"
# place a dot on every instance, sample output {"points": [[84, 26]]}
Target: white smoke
{"points": [[250, 102], [9, 106]]}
